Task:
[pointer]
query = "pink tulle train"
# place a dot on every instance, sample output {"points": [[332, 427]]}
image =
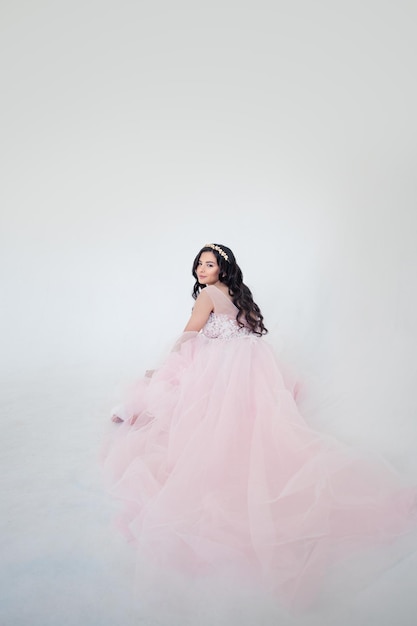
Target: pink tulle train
{"points": [[219, 470]]}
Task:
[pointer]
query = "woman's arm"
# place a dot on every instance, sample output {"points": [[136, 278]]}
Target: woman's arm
{"points": [[202, 308]]}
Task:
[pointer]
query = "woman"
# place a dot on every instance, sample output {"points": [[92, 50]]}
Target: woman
{"points": [[218, 470], [216, 266]]}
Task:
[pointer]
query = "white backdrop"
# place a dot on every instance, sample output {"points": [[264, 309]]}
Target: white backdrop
{"points": [[135, 132]]}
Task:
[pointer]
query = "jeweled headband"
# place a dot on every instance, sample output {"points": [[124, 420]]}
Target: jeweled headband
{"points": [[218, 249]]}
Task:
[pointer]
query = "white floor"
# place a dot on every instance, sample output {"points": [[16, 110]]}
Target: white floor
{"points": [[64, 565]]}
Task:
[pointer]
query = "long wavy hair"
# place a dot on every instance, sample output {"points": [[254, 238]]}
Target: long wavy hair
{"points": [[231, 275]]}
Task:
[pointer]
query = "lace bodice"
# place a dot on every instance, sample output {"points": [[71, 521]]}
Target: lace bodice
{"points": [[222, 323], [221, 326]]}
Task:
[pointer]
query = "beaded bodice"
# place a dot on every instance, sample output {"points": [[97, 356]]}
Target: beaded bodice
{"points": [[221, 326], [222, 323]]}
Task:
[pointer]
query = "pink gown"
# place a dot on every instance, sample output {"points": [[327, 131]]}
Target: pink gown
{"points": [[220, 471]]}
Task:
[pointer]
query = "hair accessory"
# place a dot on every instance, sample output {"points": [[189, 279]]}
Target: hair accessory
{"points": [[218, 249]]}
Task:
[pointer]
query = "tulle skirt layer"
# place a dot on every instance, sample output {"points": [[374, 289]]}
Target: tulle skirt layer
{"points": [[220, 472]]}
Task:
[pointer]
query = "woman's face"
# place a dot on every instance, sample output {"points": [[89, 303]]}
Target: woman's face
{"points": [[207, 269]]}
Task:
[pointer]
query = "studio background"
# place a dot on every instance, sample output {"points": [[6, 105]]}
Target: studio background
{"points": [[132, 134]]}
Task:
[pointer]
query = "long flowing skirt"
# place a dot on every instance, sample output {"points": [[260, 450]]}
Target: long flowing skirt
{"points": [[219, 472]]}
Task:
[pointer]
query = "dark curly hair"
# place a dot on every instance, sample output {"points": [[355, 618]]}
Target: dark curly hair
{"points": [[231, 275]]}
